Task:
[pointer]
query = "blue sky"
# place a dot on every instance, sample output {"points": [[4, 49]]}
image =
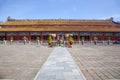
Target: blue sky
{"points": [[55, 9]]}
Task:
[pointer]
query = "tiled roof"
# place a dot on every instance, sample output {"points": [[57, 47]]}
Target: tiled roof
{"points": [[59, 22], [62, 29], [60, 25]]}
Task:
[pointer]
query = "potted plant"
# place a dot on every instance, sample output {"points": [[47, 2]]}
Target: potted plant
{"points": [[38, 39], [24, 39], [11, 39], [109, 40], [71, 41], [82, 42], [95, 40], [50, 41]]}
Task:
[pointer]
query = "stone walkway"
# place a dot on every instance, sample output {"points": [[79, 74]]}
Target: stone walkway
{"points": [[60, 66]]}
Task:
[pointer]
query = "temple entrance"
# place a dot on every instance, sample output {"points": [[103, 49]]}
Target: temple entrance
{"points": [[22, 35], [2, 38], [86, 38], [35, 36], [60, 35], [117, 36], [75, 37], [45, 36], [12, 36]]}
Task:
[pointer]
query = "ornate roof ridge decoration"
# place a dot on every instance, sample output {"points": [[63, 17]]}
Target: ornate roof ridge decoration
{"points": [[59, 22], [116, 22], [59, 19], [85, 20]]}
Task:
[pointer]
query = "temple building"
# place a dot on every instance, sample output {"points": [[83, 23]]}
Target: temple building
{"points": [[59, 28]]}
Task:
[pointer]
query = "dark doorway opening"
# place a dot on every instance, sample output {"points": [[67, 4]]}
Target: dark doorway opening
{"points": [[86, 38], [34, 38], [2, 38]]}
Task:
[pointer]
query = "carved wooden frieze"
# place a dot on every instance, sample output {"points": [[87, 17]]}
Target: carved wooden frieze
{"points": [[23, 34], [2, 34], [45, 33], [60, 33], [117, 34], [97, 34], [108, 34], [35, 33], [12, 34], [84, 33]]}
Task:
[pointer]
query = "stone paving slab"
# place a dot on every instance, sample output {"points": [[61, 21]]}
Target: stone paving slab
{"points": [[60, 66], [97, 62], [22, 62]]}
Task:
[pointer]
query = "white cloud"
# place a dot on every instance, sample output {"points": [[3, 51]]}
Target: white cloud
{"points": [[114, 16]]}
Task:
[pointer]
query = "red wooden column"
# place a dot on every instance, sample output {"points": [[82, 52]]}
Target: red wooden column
{"points": [[41, 37], [78, 36], [7, 37], [90, 36], [103, 36], [17, 36], [113, 37], [29, 37]]}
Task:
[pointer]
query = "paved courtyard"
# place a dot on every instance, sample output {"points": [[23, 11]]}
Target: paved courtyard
{"points": [[22, 62], [97, 62]]}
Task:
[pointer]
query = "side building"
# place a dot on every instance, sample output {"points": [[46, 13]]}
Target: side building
{"points": [[60, 28]]}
